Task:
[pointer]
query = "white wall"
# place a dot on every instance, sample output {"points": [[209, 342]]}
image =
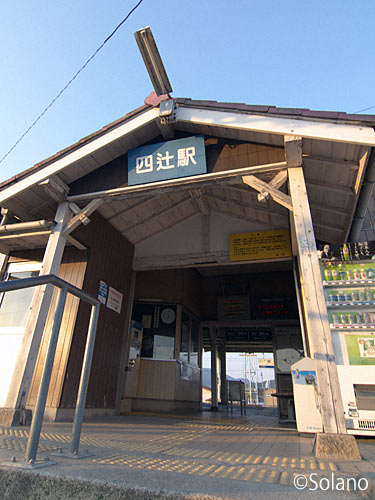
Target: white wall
{"points": [[187, 236]]}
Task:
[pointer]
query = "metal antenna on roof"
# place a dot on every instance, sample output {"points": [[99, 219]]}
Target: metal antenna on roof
{"points": [[152, 60]]}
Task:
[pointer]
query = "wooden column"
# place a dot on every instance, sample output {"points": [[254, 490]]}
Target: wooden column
{"points": [[316, 317], [34, 328]]}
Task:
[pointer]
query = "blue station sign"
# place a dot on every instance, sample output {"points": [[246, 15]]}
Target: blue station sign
{"points": [[167, 160]]}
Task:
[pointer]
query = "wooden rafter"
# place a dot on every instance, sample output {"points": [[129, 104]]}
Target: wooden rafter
{"points": [[244, 204], [156, 215]]}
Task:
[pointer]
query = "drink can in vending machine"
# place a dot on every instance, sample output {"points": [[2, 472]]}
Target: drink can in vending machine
{"points": [[356, 274], [342, 273], [335, 319], [365, 318], [327, 274], [343, 319], [362, 295]]}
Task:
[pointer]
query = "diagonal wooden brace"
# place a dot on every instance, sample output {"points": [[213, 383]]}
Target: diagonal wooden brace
{"points": [[82, 216], [278, 181], [261, 186]]}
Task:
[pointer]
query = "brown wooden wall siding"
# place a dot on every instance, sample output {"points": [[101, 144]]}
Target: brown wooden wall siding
{"points": [[244, 155], [179, 286], [72, 269], [110, 260]]}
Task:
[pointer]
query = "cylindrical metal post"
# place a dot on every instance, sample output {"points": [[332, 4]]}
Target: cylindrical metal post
{"points": [[82, 391], [32, 444]]}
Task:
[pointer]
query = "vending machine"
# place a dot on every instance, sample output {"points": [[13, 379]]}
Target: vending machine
{"points": [[349, 288]]}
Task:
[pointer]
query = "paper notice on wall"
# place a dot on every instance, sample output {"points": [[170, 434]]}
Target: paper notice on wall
{"points": [[114, 300], [146, 320], [163, 347]]}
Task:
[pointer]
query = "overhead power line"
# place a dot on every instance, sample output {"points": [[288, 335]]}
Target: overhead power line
{"points": [[70, 81], [362, 110]]}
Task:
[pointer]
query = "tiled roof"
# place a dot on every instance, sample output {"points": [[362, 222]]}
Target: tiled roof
{"points": [[368, 120], [273, 110], [74, 146]]}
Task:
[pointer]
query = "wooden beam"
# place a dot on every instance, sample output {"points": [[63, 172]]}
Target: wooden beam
{"points": [[193, 182], [11, 236], [278, 196], [277, 182], [76, 243], [82, 216], [56, 188], [201, 202], [270, 124], [28, 353], [293, 150], [167, 129], [316, 316]]}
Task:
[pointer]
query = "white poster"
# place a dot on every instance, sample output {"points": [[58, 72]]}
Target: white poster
{"points": [[163, 347], [114, 300]]}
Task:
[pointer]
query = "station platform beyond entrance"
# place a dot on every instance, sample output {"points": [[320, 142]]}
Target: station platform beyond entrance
{"points": [[206, 455]]}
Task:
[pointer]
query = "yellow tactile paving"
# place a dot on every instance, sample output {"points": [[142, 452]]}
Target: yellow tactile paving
{"points": [[244, 473]]}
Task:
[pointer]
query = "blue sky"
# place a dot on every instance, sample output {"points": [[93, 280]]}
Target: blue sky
{"points": [[313, 54]]}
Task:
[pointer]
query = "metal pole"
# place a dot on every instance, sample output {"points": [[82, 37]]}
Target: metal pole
{"points": [[82, 391], [32, 444], [300, 310]]}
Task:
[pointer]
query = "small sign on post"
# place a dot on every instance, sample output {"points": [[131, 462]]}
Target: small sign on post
{"points": [[103, 292]]}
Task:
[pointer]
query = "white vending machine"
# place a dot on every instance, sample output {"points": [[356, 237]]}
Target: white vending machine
{"points": [[349, 287]]}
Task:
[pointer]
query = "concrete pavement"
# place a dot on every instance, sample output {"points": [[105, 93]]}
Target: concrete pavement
{"points": [[210, 455]]}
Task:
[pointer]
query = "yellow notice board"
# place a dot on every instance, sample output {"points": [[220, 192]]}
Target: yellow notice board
{"points": [[260, 245]]}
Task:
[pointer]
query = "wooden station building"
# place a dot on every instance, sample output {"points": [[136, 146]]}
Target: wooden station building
{"points": [[168, 255]]}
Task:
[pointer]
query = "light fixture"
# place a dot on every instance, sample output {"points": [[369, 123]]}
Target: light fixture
{"points": [[152, 60]]}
